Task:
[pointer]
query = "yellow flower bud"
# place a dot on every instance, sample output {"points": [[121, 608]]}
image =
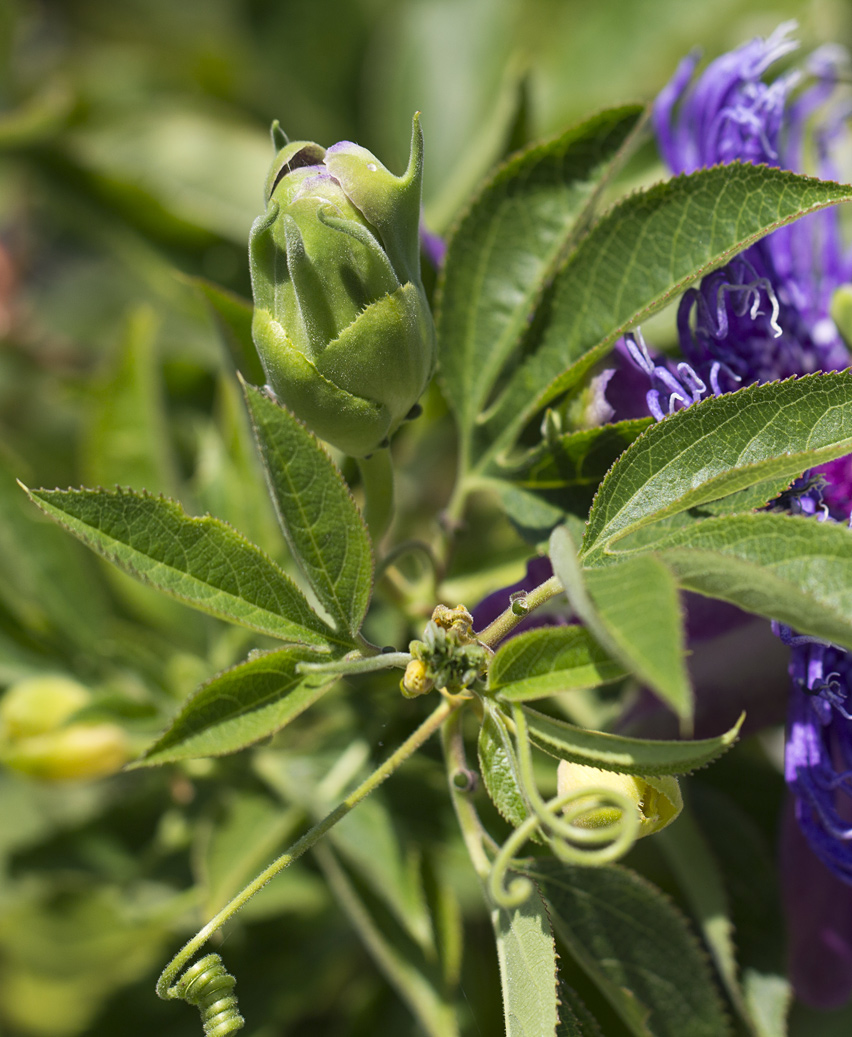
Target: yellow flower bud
{"points": [[36, 739], [658, 800], [416, 680], [75, 752], [39, 704]]}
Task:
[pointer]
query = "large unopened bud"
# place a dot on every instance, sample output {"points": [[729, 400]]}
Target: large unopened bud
{"points": [[341, 321], [657, 800]]}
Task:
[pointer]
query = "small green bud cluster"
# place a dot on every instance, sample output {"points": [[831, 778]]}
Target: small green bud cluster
{"points": [[448, 657], [39, 736], [341, 322]]}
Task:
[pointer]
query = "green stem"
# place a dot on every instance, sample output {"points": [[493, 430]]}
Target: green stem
{"points": [[473, 833], [385, 661], [430, 725], [377, 482], [508, 620]]}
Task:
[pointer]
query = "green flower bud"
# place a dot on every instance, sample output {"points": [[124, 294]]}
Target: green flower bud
{"points": [[341, 321], [658, 800]]}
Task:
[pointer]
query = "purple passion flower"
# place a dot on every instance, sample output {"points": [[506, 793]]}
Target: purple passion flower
{"points": [[767, 315]]}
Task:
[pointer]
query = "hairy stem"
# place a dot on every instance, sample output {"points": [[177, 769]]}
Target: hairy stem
{"points": [[508, 620], [430, 725]]}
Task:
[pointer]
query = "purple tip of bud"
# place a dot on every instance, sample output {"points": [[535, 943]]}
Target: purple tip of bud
{"points": [[539, 569], [818, 906], [433, 245], [341, 145]]}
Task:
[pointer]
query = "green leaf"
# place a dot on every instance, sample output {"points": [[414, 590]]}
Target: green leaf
{"points": [[638, 258], [369, 841], [650, 641], [543, 662], [532, 515], [527, 956], [228, 479], [699, 877], [233, 315], [498, 766], [126, 439], [507, 245], [200, 561], [397, 958], [720, 446], [248, 702], [748, 863], [50, 586], [575, 1020], [786, 567], [367, 838], [612, 603], [575, 463], [243, 840], [635, 946], [317, 512], [620, 753]]}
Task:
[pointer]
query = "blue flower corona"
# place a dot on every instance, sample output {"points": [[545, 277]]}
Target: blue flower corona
{"points": [[767, 315]]}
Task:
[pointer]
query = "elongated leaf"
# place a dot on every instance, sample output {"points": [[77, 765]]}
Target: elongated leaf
{"points": [[126, 437], [233, 315], [317, 512], [367, 837], [613, 602], [748, 861], [396, 958], [547, 661], [638, 603], [368, 840], [200, 561], [527, 956], [506, 247], [575, 464], [698, 874], [531, 513], [50, 584], [785, 567], [720, 446], [617, 752], [638, 258], [498, 765], [228, 479], [636, 946], [242, 705], [575, 1020], [243, 840]]}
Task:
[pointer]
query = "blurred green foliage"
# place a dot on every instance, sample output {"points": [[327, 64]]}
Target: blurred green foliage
{"points": [[133, 151]]}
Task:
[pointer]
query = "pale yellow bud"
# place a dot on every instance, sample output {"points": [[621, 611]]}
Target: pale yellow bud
{"points": [[658, 800], [37, 705], [75, 752]]}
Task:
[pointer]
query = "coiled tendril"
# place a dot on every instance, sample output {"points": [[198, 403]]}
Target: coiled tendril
{"points": [[208, 985], [560, 821]]}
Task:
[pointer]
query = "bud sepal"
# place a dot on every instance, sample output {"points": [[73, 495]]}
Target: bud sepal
{"points": [[341, 322]]}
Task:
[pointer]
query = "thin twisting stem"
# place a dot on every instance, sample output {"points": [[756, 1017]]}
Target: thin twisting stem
{"points": [[165, 987]]}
